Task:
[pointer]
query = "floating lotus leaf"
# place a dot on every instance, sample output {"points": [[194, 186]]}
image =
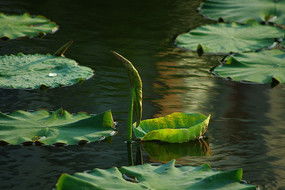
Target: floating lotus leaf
{"points": [[164, 152], [244, 11], [34, 71], [54, 127], [15, 26], [261, 67], [147, 176], [173, 128], [226, 38]]}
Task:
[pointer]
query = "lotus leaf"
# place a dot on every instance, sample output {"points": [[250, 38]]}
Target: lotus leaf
{"points": [[34, 71], [173, 128], [244, 11], [15, 26], [225, 38], [54, 127], [147, 176], [259, 67]]}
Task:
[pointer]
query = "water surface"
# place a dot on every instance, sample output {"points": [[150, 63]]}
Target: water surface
{"points": [[247, 127]]}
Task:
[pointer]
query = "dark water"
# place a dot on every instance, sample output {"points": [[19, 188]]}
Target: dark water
{"points": [[247, 128]]}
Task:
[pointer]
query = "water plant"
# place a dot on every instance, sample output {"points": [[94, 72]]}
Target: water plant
{"points": [[224, 38], [148, 176], [38, 70], [56, 127], [16, 26], [244, 11], [174, 128], [249, 59], [44, 127], [135, 107], [259, 67]]}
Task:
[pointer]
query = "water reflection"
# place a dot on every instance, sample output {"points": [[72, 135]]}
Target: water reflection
{"points": [[164, 152], [240, 123], [177, 86]]}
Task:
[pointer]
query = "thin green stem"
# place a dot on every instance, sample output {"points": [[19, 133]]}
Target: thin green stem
{"points": [[130, 153], [130, 116]]}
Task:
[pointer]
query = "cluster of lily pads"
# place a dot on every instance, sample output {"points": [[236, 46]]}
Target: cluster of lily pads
{"points": [[251, 33], [61, 127]]}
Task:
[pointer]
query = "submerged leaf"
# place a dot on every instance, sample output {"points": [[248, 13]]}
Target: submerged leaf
{"points": [[33, 71], [244, 11], [15, 26], [173, 128], [54, 127], [136, 85], [147, 176], [226, 38], [259, 67]]}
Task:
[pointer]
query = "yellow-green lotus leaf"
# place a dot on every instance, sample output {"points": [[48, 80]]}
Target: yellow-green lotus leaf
{"points": [[173, 128]]}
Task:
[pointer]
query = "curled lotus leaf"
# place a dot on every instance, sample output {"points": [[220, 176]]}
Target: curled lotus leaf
{"points": [[136, 86], [174, 128], [244, 11], [16, 26], [164, 177], [55, 127], [224, 38], [35, 71], [258, 67]]}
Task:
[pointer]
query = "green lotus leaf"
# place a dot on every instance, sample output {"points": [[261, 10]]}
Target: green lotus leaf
{"points": [[173, 128], [147, 176], [244, 11], [225, 38], [34, 71], [16, 26], [164, 152], [54, 127], [260, 67]]}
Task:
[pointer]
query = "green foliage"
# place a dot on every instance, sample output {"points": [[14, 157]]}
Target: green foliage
{"points": [[136, 86], [259, 67], [34, 71], [164, 152], [245, 11], [225, 38], [54, 127], [15, 26], [147, 176], [173, 128]]}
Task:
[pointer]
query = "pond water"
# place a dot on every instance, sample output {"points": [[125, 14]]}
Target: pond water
{"points": [[247, 128]]}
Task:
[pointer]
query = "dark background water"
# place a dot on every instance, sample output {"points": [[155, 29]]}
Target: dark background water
{"points": [[247, 127]]}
